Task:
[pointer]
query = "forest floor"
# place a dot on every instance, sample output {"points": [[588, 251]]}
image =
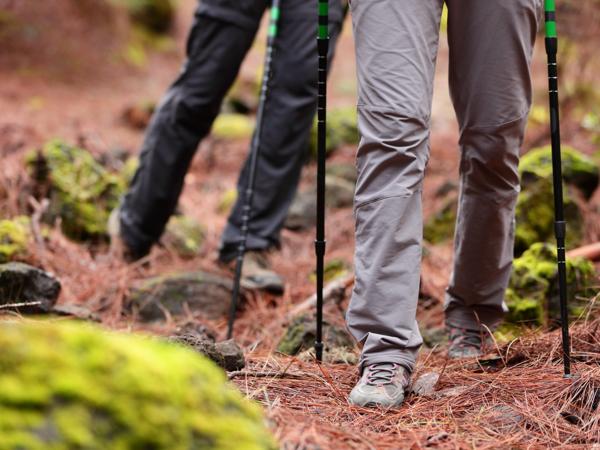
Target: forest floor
{"points": [[515, 398]]}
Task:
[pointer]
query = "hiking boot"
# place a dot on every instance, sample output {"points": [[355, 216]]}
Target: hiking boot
{"points": [[257, 273], [381, 384], [118, 246], [465, 343]]}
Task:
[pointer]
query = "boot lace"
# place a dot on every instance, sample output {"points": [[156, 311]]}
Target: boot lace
{"points": [[381, 374]]}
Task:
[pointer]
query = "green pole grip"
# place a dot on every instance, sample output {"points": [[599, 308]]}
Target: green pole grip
{"points": [[323, 30], [275, 12], [550, 16]]}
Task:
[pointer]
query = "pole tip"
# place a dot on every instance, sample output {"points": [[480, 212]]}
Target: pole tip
{"points": [[319, 351]]}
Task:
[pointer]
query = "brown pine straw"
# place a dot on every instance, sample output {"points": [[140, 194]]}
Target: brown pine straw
{"points": [[516, 398]]}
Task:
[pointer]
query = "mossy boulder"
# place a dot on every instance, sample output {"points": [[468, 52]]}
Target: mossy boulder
{"points": [[535, 216], [185, 235], [178, 294], [233, 126], [82, 192], [577, 169], [532, 296], [440, 226], [74, 386], [228, 199], [342, 128], [301, 335], [345, 171], [15, 236]]}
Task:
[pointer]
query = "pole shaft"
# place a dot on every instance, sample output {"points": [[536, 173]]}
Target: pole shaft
{"points": [[559, 217], [320, 243], [254, 157]]}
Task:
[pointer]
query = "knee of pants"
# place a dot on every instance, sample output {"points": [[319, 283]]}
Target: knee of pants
{"points": [[188, 110], [490, 160], [392, 154]]}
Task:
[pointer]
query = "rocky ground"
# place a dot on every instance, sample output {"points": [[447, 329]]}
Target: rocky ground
{"points": [[71, 122]]}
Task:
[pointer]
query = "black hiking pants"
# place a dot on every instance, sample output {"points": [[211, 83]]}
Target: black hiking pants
{"points": [[222, 34]]}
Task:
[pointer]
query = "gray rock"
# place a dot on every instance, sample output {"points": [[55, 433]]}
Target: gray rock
{"points": [[175, 294], [22, 283], [503, 417], [345, 171], [227, 354], [425, 384], [78, 311], [301, 335], [302, 214]]}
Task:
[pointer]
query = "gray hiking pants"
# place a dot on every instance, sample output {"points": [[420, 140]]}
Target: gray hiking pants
{"points": [[222, 34], [491, 43]]}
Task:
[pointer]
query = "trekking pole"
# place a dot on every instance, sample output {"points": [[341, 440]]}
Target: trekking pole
{"points": [[254, 157], [320, 243], [559, 218]]}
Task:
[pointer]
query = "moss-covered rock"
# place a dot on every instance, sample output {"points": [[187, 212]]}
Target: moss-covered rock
{"points": [[233, 126], [532, 296], [345, 171], [82, 191], [440, 226], [15, 236], [577, 169], [342, 128], [535, 216], [227, 201], [301, 335], [73, 386], [180, 293], [185, 235], [334, 268]]}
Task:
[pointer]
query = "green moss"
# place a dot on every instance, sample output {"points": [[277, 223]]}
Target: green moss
{"points": [[65, 386], [577, 169], [227, 201], [333, 269], [14, 238], [535, 216], [233, 126], [440, 227], [82, 192], [342, 128], [185, 235], [532, 296], [301, 335]]}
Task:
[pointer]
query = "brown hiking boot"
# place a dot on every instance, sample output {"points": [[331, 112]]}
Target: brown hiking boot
{"points": [[381, 384], [257, 273], [465, 343]]}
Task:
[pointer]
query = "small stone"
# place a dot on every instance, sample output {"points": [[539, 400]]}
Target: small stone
{"points": [[503, 417], [425, 384], [227, 354], [199, 292], [22, 283], [336, 355], [78, 311]]}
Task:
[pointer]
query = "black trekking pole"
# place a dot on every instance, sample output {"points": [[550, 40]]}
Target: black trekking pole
{"points": [[254, 157], [559, 218], [320, 243]]}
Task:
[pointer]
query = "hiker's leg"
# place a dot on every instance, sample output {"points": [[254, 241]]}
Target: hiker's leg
{"points": [[288, 117], [491, 45], [396, 48], [215, 50]]}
